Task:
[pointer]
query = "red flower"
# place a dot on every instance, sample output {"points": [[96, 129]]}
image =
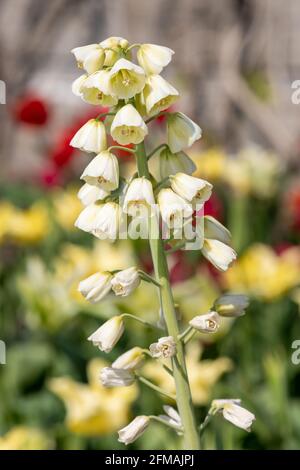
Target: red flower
{"points": [[32, 110], [50, 177], [214, 207]]}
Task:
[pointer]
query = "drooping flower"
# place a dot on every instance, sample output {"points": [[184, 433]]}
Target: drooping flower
{"points": [[232, 411], [107, 336], [95, 287], [88, 194], [139, 196], [126, 79], [190, 188], [107, 222], [207, 323], [173, 208], [213, 229], [182, 131], [158, 94], [128, 126], [103, 171], [231, 305], [131, 359], [111, 377], [94, 89], [90, 57], [171, 417], [154, 58], [134, 430], [87, 217], [124, 282], [165, 347], [172, 163], [91, 137], [219, 254]]}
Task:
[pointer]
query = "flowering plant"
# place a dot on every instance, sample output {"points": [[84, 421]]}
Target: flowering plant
{"points": [[136, 95]]}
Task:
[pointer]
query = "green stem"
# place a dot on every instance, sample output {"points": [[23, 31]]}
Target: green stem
{"points": [[104, 114], [140, 320], [163, 421], [148, 278], [119, 147], [183, 392], [155, 387]]}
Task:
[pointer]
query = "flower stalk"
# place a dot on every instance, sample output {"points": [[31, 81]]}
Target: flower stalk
{"points": [[183, 392]]}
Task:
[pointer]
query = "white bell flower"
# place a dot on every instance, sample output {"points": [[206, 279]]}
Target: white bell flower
{"points": [[182, 131], [133, 430], [154, 58], [95, 287], [103, 171], [87, 217], [77, 85], [126, 79], [165, 348], [91, 137], [107, 336], [126, 281], [173, 208], [215, 230], [107, 222], [131, 359], [232, 411], [207, 323], [231, 305], [128, 126], [172, 163], [111, 377], [190, 188], [88, 194], [139, 197], [94, 89], [219, 254], [159, 94], [90, 57], [171, 417]]}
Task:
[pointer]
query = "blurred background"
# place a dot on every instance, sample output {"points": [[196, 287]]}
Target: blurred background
{"points": [[235, 64]]}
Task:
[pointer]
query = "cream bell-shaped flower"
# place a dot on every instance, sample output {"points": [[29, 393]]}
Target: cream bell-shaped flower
{"points": [[91, 137], [77, 85], [131, 359], [126, 79], [126, 281], [90, 57], [88, 194], [172, 163], [95, 287], [154, 58], [107, 222], [219, 254], [165, 347], [231, 305], [190, 188], [87, 217], [94, 89], [111, 377], [215, 230], [103, 171], [133, 430], [107, 336], [207, 323], [232, 411], [171, 417], [173, 208], [139, 197], [159, 94], [182, 131], [128, 126]]}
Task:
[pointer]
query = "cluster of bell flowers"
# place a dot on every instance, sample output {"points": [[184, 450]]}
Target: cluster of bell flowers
{"points": [[136, 95]]}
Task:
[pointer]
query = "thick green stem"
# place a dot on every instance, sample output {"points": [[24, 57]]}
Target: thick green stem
{"points": [[183, 392]]}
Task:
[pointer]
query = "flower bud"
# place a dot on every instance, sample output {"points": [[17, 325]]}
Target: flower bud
{"points": [[139, 196], [111, 377], [113, 42], [171, 417], [154, 58], [126, 79], [231, 305], [182, 131], [159, 94], [89, 194], [191, 188], [131, 359], [133, 430], [91, 137], [107, 336], [208, 323], [124, 282], [219, 254], [95, 287], [103, 171], [128, 126], [172, 163], [165, 347]]}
